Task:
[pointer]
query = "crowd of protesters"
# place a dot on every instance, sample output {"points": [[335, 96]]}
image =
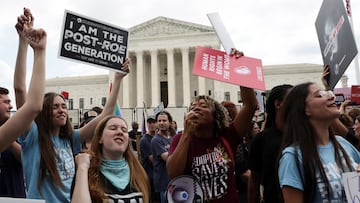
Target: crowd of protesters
{"points": [[300, 154]]}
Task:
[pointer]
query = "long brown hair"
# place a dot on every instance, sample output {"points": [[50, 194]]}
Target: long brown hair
{"points": [[47, 151], [299, 132], [138, 176]]}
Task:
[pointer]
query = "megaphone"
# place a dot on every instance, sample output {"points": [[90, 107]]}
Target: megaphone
{"points": [[184, 189]]}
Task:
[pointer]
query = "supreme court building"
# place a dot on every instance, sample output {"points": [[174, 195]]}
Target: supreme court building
{"points": [[162, 52]]}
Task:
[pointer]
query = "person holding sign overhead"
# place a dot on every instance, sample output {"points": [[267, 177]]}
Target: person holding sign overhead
{"points": [[50, 143], [205, 149]]}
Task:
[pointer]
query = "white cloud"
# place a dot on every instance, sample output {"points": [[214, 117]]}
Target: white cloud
{"points": [[78, 69], [6, 75], [6, 79]]}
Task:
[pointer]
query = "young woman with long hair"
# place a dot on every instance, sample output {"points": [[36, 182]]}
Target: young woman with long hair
{"points": [[49, 143], [264, 151], [313, 158], [110, 170]]}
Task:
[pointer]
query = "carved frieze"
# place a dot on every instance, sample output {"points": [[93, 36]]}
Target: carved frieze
{"points": [[162, 26]]}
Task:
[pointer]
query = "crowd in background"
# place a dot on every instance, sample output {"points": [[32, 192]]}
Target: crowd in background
{"points": [[298, 153]]}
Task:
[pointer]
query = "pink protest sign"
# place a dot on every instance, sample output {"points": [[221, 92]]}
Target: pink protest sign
{"points": [[217, 65]]}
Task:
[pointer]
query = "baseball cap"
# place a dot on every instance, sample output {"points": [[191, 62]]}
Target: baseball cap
{"points": [[88, 116], [150, 118]]}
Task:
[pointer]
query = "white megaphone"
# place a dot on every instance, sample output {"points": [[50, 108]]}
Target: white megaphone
{"points": [[180, 195], [184, 189]]}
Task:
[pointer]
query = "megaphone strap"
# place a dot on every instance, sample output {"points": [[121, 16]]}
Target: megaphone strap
{"points": [[228, 149]]}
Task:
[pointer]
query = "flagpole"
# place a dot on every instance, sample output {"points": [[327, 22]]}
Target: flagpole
{"points": [[356, 60], [144, 114]]}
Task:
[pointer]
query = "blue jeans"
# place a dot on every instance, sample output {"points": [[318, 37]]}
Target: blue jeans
{"points": [[163, 197]]}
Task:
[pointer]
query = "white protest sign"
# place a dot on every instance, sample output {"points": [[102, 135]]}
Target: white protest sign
{"points": [[221, 32], [20, 200], [351, 182]]}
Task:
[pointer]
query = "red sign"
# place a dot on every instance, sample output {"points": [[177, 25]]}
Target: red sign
{"points": [[217, 65], [65, 94], [355, 94]]}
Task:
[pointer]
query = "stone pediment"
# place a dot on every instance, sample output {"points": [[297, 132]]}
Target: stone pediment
{"points": [[162, 26]]}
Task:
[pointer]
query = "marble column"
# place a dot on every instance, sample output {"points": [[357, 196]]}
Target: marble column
{"points": [[186, 76], [126, 93], [202, 85], [139, 79], [155, 81], [171, 77]]}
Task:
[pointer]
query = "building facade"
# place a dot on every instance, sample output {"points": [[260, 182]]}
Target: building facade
{"points": [[162, 52]]}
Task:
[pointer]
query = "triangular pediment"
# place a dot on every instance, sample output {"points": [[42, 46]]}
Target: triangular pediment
{"points": [[162, 26]]}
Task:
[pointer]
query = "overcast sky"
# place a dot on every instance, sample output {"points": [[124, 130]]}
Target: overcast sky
{"points": [[276, 31]]}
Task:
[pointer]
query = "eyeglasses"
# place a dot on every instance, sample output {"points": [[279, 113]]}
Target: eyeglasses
{"points": [[326, 93]]}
